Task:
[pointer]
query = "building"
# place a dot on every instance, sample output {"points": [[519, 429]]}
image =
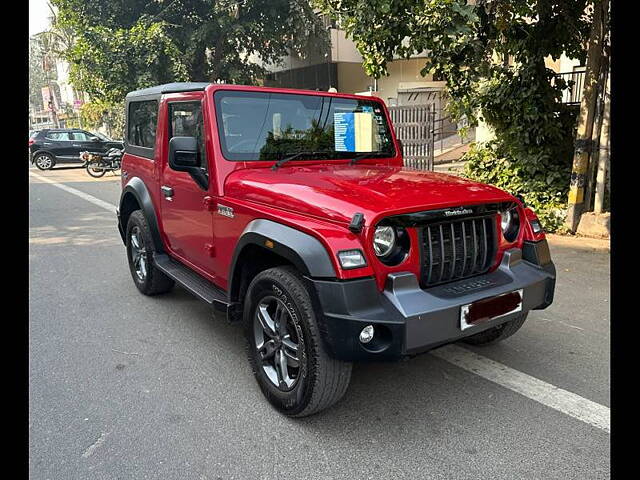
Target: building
{"points": [[341, 68]]}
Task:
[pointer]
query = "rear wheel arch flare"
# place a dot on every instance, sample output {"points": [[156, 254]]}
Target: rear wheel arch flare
{"points": [[136, 193]]}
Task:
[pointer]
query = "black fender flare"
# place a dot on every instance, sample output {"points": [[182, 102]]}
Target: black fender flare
{"points": [[304, 251], [138, 189]]}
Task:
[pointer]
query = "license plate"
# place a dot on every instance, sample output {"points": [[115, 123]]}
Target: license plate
{"points": [[490, 308]]}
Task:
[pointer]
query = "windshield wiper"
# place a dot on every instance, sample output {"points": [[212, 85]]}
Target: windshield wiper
{"points": [[296, 155], [366, 155]]}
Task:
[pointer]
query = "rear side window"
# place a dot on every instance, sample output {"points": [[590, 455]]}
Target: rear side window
{"points": [[58, 136], [143, 118]]}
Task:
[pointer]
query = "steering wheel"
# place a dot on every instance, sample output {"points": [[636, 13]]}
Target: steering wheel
{"points": [[237, 146]]}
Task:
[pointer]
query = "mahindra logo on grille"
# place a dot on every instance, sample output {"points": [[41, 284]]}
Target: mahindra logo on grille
{"points": [[461, 211]]}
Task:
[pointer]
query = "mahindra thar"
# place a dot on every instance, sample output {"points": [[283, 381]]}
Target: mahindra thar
{"points": [[291, 212]]}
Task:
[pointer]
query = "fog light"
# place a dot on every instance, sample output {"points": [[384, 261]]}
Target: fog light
{"points": [[366, 335]]}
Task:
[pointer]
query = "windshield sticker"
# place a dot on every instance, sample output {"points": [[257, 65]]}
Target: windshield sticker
{"points": [[344, 131], [355, 132]]}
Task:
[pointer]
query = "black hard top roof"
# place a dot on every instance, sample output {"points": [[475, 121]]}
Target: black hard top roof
{"points": [[169, 88]]}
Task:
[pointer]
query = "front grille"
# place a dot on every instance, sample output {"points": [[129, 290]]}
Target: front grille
{"points": [[457, 249]]}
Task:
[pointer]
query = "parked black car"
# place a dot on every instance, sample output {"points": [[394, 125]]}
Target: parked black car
{"points": [[63, 145]]}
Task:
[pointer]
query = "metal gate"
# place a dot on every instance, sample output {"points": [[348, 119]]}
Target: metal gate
{"points": [[414, 128]]}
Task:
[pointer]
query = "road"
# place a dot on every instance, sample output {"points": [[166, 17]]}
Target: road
{"points": [[131, 387]]}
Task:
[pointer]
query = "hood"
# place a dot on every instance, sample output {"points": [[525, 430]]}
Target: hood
{"points": [[336, 192]]}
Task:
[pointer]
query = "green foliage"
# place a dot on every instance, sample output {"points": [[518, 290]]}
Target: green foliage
{"points": [[544, 185], [491, 55], [123, 46], [37, 76], [97, 113]]}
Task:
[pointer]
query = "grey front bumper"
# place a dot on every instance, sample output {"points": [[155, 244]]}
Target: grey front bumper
{"points": [[409, 320]]}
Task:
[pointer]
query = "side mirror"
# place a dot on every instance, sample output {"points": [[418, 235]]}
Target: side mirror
{"points": [[95, 139], [183, 157], [183, 153], [401, 146]]}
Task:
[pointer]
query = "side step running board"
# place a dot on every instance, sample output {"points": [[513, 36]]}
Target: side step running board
{"points": [[192, 281]]}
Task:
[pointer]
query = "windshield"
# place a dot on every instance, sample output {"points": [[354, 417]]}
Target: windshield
{"points": [[272, 126]]}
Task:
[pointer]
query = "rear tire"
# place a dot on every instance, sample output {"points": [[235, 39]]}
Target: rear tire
{"points": [[44, 161], [140, 250], [288, 357], [497, 334], [94, 170]]}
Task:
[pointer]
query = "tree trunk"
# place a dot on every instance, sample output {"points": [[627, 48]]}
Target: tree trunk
{"points": [[587, 114], [603, 157]]}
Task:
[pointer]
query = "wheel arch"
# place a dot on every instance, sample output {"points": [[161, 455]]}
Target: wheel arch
{"points": [[265, 244], [135, 196], [41, 151]]}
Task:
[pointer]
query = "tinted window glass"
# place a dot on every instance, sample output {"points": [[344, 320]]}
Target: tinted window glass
{"points": [[270, 126], [59, 136], [143, 117], [186, 121], [83, 136]]}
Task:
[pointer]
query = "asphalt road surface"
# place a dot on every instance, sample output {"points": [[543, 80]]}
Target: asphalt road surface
{"points": [[124, 386]]}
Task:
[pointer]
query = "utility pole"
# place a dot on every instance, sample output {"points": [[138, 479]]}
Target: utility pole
{"points": [[584, 137]]}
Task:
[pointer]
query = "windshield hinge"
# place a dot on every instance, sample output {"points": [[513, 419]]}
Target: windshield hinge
{"points": [[357, 222]]}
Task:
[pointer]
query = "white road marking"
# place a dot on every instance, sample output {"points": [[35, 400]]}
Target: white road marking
{"points": [[89, 198], [547, 394], [564, 401]]}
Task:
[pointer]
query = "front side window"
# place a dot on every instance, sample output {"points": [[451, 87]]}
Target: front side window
{"points": [[185, 120], [270, 126], [143, 118], [83, 136]]}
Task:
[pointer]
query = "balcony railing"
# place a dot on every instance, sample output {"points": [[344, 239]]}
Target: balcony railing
{"points": [[572, 95]]}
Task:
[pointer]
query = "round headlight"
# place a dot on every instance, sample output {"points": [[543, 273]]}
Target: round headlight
{"points": [[384, 239], [510, 224], [505, 220]]}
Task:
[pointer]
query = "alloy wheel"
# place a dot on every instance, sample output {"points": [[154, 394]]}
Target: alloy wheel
{"points": [[44, 162], [138, 253], [277, 343]]}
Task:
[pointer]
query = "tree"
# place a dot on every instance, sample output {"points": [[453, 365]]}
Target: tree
{"points": [[121, 46], [37, 76], [491, 53]]}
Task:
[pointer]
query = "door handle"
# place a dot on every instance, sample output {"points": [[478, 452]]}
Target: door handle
{"points": [[167, 192]]}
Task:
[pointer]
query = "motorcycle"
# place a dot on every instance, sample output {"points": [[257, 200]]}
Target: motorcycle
{"points": [[97, 164]]}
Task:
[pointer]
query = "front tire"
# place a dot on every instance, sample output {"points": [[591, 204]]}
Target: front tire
{"points": [[285, 347], [44, 161], [147, 278], [498, 333]]}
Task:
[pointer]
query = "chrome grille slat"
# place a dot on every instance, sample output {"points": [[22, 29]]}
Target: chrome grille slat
{"points": [[467, 246]]}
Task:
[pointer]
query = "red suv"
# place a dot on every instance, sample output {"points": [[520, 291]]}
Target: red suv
{"points": [[291, 211]]}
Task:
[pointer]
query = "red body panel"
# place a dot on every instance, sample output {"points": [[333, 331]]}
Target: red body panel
{"points": [[318, 197]]}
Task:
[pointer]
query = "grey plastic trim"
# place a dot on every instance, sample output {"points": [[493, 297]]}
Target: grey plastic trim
{"points": [[403, 291]]}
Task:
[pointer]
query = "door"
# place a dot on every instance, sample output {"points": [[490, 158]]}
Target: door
{"points": [[85, 141], [187, 222], [59, 144]]}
